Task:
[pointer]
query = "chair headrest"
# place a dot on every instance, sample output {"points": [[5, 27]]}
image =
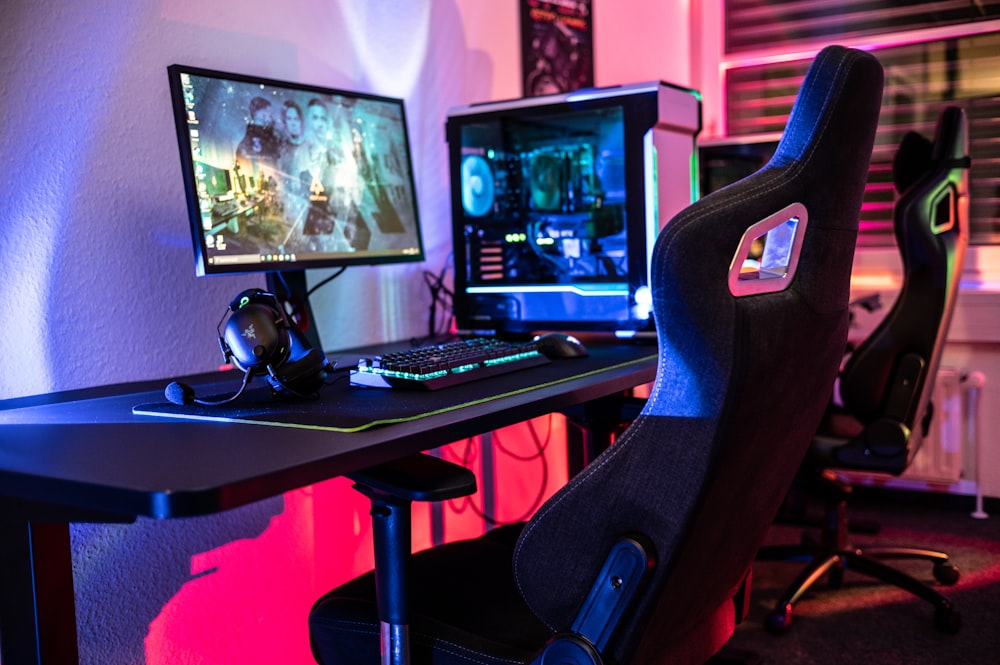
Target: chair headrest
{"points": [[911, 161], [918, 157]]}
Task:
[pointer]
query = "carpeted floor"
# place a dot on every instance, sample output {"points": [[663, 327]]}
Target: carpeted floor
{"points": [[868, 622]]}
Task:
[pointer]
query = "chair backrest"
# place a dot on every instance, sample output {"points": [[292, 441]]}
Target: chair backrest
{"points": [[887, 382], [746, 368]]}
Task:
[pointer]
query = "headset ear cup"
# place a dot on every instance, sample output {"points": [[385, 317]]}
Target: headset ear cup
{"points": [[303, 376], [255, 338], [303, 373], [259, 338]]}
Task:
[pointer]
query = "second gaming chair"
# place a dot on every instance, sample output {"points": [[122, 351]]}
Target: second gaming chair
{"points": [[645, 555], [886, 383]]}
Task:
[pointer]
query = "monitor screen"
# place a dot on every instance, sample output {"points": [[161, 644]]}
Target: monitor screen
{"points": [[728, 160], [283, 176], [554, 208]]}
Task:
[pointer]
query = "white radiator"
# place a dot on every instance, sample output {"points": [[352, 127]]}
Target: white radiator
{"points": [[941, 457]]}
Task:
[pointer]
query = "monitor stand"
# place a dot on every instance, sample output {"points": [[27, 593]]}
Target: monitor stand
{"points": [[290, 288]]}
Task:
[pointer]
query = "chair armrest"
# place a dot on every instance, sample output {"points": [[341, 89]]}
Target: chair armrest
{"points": [[882, 446], [392, 487], [623, 576], [626, 570], [417, 478]]}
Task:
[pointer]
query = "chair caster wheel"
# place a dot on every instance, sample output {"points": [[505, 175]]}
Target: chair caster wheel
{"points": [[947, 619], [946, 573], [778, 621]]}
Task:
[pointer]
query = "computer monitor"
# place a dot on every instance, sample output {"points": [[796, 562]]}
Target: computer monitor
{"points": [[724, 161], [556, 203], [286, 176]]}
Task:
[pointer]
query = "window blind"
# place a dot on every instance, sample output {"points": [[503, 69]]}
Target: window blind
{"points": [[921, 78], [754, 25]]}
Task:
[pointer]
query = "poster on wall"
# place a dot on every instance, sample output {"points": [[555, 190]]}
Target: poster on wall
{"points": [[557, 52]]}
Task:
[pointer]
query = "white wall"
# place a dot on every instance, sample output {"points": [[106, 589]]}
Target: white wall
{"points": [[97, 281], [98, 278]]}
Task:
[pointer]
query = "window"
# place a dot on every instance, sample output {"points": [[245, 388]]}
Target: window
{"points": [[924, 72]]}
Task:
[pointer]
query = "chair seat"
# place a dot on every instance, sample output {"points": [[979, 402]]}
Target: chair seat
{"points": [[450, 622], [837, 427], [452, 625]]}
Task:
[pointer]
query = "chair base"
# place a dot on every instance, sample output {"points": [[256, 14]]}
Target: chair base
{"points": [[833, 561]]}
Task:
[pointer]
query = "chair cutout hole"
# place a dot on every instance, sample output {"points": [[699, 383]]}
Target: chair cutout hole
{"points": [[768, 253], [944, 212]]}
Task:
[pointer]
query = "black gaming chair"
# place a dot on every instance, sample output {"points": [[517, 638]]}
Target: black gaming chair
{"points": [[645, 555], [886, 383]]}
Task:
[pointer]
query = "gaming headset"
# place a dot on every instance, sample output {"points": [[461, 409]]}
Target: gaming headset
{"points": [[260, 340]]}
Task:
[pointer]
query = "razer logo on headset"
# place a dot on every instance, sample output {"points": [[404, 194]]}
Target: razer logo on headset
{"points": [[250, 332]]}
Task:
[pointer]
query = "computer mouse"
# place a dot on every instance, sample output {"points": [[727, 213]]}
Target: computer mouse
{"points": [[560, 345]]}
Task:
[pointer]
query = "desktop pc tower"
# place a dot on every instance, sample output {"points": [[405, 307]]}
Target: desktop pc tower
{"points": [[557, 201]]}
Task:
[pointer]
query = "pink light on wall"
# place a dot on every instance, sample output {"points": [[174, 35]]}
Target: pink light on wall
{"points": [[248, 600]]}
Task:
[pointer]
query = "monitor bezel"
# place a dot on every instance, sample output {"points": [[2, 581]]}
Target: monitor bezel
{"points": [[202, 266]]}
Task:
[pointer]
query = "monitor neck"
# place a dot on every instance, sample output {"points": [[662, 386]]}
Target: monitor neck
{"points": [[290, 287]]}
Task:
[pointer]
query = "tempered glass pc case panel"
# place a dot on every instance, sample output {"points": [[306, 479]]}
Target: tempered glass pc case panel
{"points": [[556, 203]]}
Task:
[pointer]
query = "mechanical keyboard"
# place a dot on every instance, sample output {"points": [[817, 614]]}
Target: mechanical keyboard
{"points": [[441, 365]]}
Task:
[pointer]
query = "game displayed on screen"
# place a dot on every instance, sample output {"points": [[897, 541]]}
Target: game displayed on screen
{"points": [[285, 175]]}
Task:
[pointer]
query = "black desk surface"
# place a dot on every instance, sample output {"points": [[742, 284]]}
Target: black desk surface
{"points": [[87, 456]]}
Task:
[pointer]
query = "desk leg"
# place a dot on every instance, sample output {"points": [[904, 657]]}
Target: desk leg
{"points": [[583, 444], [591, 427], [37, 609], [488, 473]]}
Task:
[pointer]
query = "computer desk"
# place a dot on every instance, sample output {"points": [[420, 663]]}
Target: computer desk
{"points": [[84, 456]]}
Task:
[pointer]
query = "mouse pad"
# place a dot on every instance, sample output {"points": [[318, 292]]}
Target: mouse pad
{"points": [[344, 408]]}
